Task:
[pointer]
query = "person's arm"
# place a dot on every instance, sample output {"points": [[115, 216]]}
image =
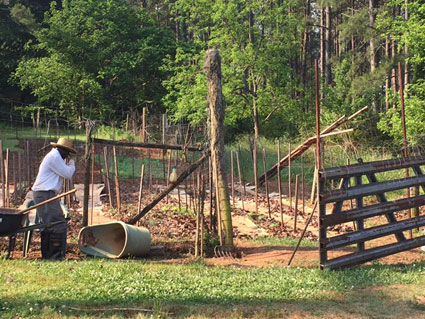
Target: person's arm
{"points": [[62, 169]]}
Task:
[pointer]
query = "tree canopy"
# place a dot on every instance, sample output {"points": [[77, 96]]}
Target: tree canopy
{"points": [[104, 59]]}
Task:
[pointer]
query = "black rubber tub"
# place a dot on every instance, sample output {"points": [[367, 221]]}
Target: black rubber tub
{"points": [[11, 221]]}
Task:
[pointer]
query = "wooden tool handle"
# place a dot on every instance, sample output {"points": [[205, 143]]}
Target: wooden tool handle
{"points": [[48, 201]]}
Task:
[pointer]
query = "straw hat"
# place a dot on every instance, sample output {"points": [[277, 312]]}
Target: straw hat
{"points": [[64, 143]]}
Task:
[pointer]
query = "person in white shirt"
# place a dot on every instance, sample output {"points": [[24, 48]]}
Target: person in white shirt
{"points": [[48, 184]]}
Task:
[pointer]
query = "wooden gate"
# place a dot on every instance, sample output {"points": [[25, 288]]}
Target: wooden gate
{"points": [[350, 205]]}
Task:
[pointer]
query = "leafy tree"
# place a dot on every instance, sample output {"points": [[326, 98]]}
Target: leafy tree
{"points": [[96, 59]]}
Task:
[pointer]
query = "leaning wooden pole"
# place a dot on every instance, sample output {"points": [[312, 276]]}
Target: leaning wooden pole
{"points": [[216, 108], [298, 151], [160, 196], [117, 181]]}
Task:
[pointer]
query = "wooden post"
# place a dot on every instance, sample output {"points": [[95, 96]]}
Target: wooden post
{"points": [[210, 182], [289, 178], [302, 184], [241, 181], [117, 183], [89, 129], [403, 124], [14, 159], [163, 142], [139, 203], [108, 183], [144, 125], [296, 203], [169, 170], [19, 182], [266, 182], [92, 184], [254, 160], [6, 177], [279, 184], [232, 179], [3, 188], [29, 163], [212, 67]]}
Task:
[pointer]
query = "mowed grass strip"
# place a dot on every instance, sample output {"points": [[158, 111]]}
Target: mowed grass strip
{"points": [[63, 289]]}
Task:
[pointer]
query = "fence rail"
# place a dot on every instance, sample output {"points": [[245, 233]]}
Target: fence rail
{"points": [[331, 212]]}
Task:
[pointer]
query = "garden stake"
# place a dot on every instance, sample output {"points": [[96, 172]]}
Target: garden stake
{"points": [[92, 184], [142, 173], [254, 159], [266, 183], [14, 175], [302, 183], [211, 195], [279, 184], [296, 203], [108, 184], [403, 124], [117, 185], [3, 193], [169, 169], [29, 163], [6, 171], [302, 234], [19, 183], [289, 178], [232, 181], [240, 180]]}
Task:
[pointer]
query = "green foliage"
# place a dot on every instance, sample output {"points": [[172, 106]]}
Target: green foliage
{"points": [[95, 59]]}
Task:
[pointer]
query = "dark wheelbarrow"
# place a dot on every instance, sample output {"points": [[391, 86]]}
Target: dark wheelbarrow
{"points": [[13, 221]]}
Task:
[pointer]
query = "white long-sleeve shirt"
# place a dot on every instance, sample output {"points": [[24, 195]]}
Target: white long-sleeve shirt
{"points": [[52, 169]]}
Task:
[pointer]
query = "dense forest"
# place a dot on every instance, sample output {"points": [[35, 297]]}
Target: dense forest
{"points": [[104, 60]]}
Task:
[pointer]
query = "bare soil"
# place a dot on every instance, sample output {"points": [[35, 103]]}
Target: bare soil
{"points": [[174, 230]]}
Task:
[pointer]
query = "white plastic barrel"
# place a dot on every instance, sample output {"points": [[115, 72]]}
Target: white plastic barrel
{"points": [[114, 240]]}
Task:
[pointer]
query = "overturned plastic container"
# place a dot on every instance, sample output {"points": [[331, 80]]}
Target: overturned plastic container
{"points": [[114, 240]]}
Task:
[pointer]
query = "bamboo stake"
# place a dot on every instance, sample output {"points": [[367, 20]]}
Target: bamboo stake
{"points": [[6, 179], [29, 163], [240, 180], [92, 184], [232, 179], [302, 234], [14, 176], [279, 184], [211, 194], [178, 187], [19, 183], [296, 203], [202, 214], [3, 188], [289, 178], [144, 125], [142, 173], [117, 186], [168, 174], [198, 215], [108, 184], [255, 174], [150, 172], [302, 183], [266, 183]]}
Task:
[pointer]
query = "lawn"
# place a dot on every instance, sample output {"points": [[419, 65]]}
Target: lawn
{"points": [[97, 288]]}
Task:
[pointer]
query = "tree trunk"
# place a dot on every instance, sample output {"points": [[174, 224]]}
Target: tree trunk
{"points": [[322, 43], [216, 107], [328, 49], [372, 53]]}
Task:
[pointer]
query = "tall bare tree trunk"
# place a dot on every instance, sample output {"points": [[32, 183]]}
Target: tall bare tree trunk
{"points": [[216, 109], [387, 77], [328, 48], [372, 48], [322, 43]]}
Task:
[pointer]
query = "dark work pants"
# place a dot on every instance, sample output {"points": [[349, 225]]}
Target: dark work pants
{"points": [[53, 239]]}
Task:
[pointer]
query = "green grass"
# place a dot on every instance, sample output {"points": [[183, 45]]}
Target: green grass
{"points": [[276, 241], [30, 288]]}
